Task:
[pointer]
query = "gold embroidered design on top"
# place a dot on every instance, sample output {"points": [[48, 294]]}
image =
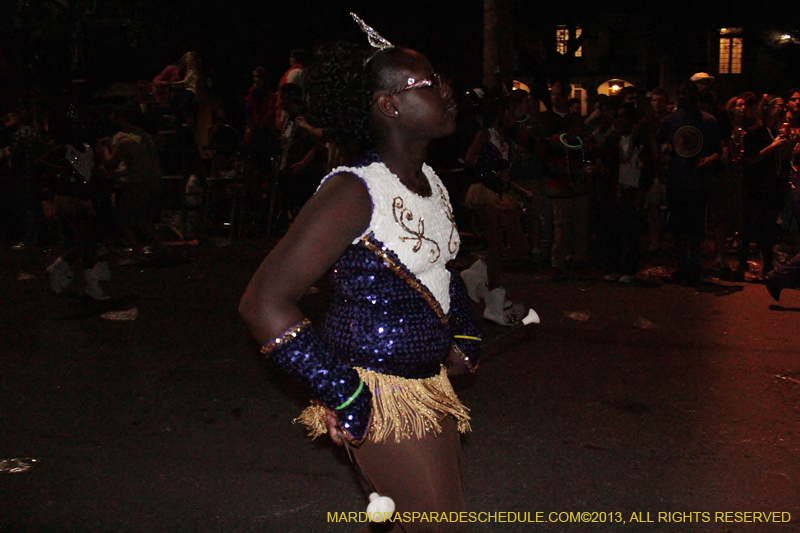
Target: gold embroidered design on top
{"points": [[408, 277], [403, 215], [452, 247]]}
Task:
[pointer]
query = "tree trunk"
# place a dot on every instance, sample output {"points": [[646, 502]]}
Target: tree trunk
{"points": [[498, 44]]}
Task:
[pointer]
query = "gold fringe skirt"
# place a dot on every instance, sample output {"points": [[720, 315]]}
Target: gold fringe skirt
{"points": [[404, 407]]}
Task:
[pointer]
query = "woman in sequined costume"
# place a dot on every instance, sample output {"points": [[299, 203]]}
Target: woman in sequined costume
{"points": [[399, 321]]}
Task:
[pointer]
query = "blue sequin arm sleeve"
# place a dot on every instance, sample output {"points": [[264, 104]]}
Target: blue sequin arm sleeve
{"points": [[462, 324], [305, 357]]}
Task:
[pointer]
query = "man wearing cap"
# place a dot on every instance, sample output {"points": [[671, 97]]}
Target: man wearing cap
{"points": [[704, 82], [707, 100], [693, 139], [702, 78], [719, 191]]}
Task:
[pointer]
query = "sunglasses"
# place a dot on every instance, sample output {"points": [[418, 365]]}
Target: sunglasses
{"points": [[434, 80]]}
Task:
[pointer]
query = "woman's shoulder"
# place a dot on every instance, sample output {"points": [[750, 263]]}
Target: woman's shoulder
{"points": [[342, 199], [375, 177], [344, 180]]}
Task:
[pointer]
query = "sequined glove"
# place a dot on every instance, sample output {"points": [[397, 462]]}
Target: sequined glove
{"points": [[306, 358], [464, 332]]}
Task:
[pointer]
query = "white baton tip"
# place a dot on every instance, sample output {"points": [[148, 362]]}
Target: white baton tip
{"points": [[380, 508], [532, 318]]}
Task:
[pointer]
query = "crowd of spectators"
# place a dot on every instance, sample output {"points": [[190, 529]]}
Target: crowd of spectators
{"points": [[79, 181], [546, 187], [683, 179]]}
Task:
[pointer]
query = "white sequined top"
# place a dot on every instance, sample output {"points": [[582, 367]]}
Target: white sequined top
{"points": [[420, 231]]}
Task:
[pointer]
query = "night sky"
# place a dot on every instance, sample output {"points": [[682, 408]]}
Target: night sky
{"points": [[125, 40]]}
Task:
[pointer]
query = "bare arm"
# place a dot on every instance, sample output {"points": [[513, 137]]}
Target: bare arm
{"points": [[325, 227], [777, 143], [317, 133], [708, 161]]}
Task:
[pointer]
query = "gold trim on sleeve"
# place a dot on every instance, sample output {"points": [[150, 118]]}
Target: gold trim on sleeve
{"points": [[465, 359], [289, 334]]}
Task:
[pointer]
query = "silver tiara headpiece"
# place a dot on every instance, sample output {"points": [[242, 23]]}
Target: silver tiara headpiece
{"points": [[374, 38]]}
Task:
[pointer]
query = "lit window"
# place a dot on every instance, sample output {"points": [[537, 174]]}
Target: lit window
{"points": [[562, 36], [730, 51]]}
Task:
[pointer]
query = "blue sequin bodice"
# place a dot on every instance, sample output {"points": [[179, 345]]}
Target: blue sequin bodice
{"points": [[381, 318]]}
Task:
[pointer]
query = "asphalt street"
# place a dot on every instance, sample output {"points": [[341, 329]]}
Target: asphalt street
{"points": [[625, 402]]}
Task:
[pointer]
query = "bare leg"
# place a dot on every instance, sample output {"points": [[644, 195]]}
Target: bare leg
{"points": [[420, 475]]}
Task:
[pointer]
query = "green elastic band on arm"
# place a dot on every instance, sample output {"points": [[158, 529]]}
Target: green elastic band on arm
{"points": [[351, 398], [467, 337]]}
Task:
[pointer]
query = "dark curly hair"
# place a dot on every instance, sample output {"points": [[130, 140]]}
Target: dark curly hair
{"points": [[339, 91]]}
